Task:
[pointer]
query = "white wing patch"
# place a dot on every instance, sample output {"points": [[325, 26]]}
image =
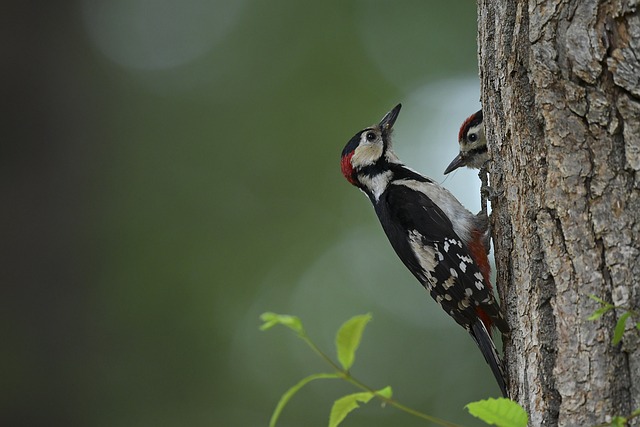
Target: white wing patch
{"points": [[426, 255]]}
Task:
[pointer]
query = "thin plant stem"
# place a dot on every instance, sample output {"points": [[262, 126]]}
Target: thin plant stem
{"points": [[347, 377]]}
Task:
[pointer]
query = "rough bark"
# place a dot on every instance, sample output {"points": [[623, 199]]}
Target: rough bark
{"points": [[561, 99]]}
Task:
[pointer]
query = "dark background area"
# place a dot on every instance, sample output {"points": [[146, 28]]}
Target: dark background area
{"points": [[170, 170]]}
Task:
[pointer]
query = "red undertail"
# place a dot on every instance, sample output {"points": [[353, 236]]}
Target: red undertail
{"points": [[479, 254]]}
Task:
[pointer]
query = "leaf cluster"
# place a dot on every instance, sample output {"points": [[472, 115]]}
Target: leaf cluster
{"points": [[500, 412], [621, 324]]}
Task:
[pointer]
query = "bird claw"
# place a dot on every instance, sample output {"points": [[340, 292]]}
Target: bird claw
{"points": [[487, 193]]}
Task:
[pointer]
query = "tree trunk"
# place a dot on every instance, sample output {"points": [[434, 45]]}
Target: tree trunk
{"points": [[561, 99]]}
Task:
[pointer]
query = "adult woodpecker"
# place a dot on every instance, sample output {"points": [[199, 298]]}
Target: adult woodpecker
{"points": [[473, 145], [437, 239]]}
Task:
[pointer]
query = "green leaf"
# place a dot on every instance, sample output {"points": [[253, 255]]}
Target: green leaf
{"points": [[599, 312], [272, 319], [346, 404], [600, 300], [343, 406], [617, 333], [602, 310], [348, 339], [385, 392], [500, 412], [293, 390], [635, 413], [618, 421], [638, 326]]}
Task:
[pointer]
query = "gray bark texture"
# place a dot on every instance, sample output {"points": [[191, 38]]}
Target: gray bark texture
{"points": [[561, 100]]}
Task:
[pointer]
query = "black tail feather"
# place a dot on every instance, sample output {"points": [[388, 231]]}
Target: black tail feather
{"points": [[488, 349]]}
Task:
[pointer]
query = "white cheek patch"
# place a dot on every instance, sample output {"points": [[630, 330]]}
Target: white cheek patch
{"points": [[366, 154], [479, 131]]}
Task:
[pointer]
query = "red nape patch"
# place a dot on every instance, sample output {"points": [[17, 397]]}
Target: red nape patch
{"points": [[466, 124], [484, 317], [347, 169]]}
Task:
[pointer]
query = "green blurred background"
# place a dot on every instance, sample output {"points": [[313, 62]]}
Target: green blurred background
{"points": [[171, 170]]}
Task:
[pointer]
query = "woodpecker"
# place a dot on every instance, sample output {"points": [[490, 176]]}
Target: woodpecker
{"points": [[437, 239], [473, 145]]}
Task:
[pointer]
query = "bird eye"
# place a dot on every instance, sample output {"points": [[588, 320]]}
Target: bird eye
{"points": [[371, 136], [473, 137]]}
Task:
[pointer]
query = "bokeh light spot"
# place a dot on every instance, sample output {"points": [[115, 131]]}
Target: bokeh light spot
{"points": [[152, 35]]}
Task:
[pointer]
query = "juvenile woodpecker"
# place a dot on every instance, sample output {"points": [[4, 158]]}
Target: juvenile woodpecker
{"points": [[473, 145], [437, 239]]}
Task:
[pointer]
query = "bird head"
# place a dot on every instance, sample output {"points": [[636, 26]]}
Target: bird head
{"points": [[369, 151], [473, 144]]}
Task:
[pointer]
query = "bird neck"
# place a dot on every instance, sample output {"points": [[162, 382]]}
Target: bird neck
{"points": [[375, 184], [374, 179]]}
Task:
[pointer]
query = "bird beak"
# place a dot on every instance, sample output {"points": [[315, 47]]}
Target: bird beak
{"points": [[389, 119], [455, 164]]}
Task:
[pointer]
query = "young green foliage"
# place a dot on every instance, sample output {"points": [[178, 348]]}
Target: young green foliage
{"points": [[348, 339], [622, 320], [347, 342], [348, 403], [620, 326], [618, 332], [291, 322], [293, 390], [500, 412], [618, 421], [602, 310]]}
